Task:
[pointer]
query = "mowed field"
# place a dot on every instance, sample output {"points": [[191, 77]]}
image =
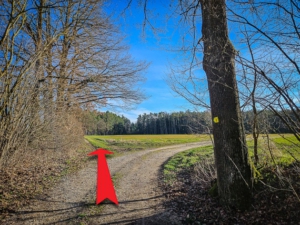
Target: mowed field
{"points": [[273, 149], [279, 148], [120, 143]]}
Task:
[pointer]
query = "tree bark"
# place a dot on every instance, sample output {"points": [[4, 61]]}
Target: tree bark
{"points": [[230, 150]]}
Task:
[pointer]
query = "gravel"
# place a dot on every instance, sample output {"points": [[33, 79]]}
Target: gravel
{"points": [[138, 175]]}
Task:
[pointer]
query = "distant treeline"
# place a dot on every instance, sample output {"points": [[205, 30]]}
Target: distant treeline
{"points": [[173, 123], [188, 122]]}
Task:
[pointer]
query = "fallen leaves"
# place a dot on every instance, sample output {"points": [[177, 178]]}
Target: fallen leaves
{"points": [[19, 183], [191, 201]]}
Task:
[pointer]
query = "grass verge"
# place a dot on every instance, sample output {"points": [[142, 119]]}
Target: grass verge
{"points": [[192, 194], [273, 150], [185, 160]]}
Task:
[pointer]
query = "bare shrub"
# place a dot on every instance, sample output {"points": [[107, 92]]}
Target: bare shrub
{"points": [[205, 172]]}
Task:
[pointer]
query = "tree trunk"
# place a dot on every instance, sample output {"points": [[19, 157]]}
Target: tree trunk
{"points": [[230, 150]]}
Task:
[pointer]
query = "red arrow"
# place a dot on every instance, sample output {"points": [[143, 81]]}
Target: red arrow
{"points": [[105, 188]]}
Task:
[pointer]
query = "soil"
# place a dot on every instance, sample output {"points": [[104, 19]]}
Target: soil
{"points": [[273, 203], [138, 177]]}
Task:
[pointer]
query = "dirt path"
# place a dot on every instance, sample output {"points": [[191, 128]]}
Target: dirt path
{"points": [[140, 198]]}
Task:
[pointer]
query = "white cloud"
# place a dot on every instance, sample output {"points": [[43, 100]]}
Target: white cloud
{"points": [[133, 114]]}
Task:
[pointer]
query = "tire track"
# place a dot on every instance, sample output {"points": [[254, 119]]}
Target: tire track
{"points": [[140, 198]]}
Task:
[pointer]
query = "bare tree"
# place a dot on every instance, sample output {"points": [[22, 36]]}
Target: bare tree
{"points": [[273, 46], [231, 154], [18, 59], [230, 149], [267, 61], [57, 56], [267, 37]]}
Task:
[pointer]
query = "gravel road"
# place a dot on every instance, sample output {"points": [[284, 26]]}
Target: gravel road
{"points": [[72, 201]]}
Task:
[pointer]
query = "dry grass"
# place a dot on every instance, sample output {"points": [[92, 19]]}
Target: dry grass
{"points": [[194, 196], [34, 168]]}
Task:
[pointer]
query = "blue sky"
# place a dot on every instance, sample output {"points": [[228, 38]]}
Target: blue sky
{"points": [[157, 48], [145, 47], [152, 47], [160, 96]]}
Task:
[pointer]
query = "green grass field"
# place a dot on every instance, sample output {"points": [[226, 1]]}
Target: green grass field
{"points": [[280, 150], [284, 151], [121, 143]]}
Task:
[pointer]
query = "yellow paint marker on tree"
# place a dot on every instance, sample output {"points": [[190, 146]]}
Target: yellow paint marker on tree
{"points": [[216, 119]]}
